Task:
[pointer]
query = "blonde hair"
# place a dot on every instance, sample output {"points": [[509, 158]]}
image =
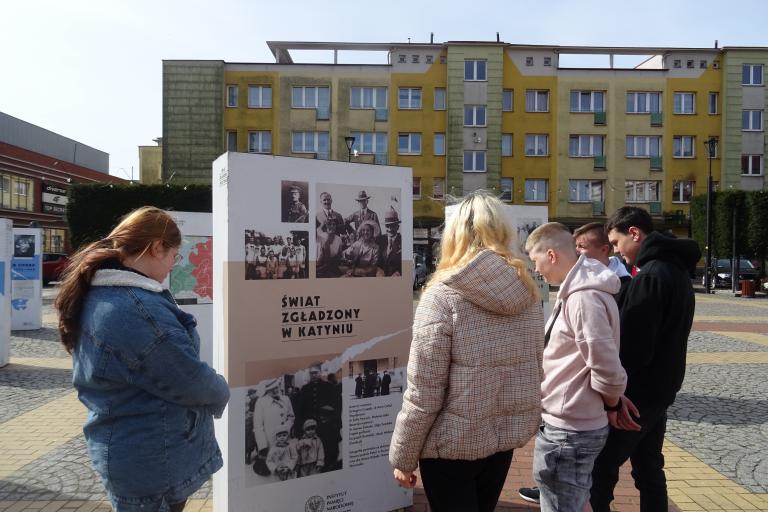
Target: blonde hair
{"points": [[551, 235], [479, 224]]}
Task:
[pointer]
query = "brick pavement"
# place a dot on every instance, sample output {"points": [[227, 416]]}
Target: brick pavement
{"points": [[715, 449]]}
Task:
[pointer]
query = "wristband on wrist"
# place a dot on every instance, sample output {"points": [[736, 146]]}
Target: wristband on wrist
{"points": [[614, 408]]}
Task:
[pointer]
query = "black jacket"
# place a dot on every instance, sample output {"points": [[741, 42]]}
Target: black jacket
{"points": [[656, 315]]}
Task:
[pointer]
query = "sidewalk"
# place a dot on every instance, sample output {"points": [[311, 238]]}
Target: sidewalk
{"points": [[716, 449]]}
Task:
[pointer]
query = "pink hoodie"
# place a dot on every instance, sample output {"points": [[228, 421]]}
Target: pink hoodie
{"points": [[581, 361]]}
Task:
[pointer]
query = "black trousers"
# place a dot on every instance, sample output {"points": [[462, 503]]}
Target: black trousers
{"points": [[643, 449], [465, 485]]}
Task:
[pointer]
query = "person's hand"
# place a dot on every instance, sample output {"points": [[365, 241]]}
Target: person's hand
{"points": [[405, 479], [623, 419]]}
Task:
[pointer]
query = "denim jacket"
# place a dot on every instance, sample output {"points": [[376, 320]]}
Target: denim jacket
{"points": [[151, 401]]}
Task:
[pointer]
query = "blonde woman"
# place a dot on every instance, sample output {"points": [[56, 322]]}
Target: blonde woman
{"points": [[474, 367]]}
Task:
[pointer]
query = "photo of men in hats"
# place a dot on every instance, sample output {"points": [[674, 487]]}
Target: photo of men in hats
{"points": [[354, 245], [293, 207], [391, 245]]}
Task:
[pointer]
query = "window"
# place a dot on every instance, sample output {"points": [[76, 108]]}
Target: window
{"points": [[537, 101], [684, 103], [587, 101], [752, 120], [259, 96], [370, 143], [506, 189], [310, 142], [231, 96], [409, 144], [529, 61], [682, 146], [439, 98], [474, 70], [16, 193], [439, 144], [409, 98], [415, 59], [368, 97], [536, 190], [682, 191], [430, 59], [752, 165], [231, 141], [474, 115], [643, 146], [703, 64], [547, 61], [643, 102], [438, 188], [689, 64], [752, 74], [641, 191], [310, 97], [536, 145], [416, 187], [713, 97], [585, 191], [260, 142], [507, 100], [401, 59], [506, 144], [677, 63], [474, 161], [585, 145], [443, 59]]}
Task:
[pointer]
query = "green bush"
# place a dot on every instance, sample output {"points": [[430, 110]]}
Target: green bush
{"points": [[94, 209]]}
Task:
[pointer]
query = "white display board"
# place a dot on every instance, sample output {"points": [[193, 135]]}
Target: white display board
{"points": [[6, 252], [312, 307], [26, 280], [191, 280]]}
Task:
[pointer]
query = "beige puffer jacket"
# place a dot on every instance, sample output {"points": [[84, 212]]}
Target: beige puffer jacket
{"points": [[474, 370]]}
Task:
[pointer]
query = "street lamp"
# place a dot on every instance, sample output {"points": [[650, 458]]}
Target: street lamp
{"points": [[711, 144], [350, 140]]}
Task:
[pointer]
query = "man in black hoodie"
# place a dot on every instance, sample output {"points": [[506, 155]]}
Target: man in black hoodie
{"points": [[656, 316]]}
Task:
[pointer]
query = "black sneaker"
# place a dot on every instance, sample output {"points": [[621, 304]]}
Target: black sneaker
{"points": [[529, 494]]}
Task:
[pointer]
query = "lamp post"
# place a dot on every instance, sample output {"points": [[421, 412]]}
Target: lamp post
{"points": [[711, 144], [350, 140]]}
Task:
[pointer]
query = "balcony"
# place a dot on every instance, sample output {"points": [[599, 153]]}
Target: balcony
{"points": [[598, 208], [655, 163], [599, 118], [599, 162], [656, 119]]}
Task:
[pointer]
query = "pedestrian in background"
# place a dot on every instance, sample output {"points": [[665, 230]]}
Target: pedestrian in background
{"points": [[137, 368], [474, 367]]}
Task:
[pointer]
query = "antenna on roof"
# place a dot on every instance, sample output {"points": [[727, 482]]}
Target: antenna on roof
{"points": [[497, 38], [431, 38], [715, 44], [409, 40]]}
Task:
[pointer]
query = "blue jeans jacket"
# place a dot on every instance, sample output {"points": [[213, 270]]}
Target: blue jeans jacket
{"points": [[151, 401]]}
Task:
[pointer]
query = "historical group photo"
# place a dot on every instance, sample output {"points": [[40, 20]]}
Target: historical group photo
{"points": [[293, 426], [276, 256], [358, 231], [376, 377]]}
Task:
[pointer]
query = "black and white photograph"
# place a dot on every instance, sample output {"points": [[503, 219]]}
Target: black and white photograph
{"points": [[376, 377], [276, 255], [524, 228], [294, 201], [358, 231], [23, 246], [293, 426]]}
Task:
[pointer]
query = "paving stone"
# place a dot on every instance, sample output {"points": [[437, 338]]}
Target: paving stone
{"points": [[703, 341]]}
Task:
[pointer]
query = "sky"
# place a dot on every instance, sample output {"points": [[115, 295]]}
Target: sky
{"points": [[92, 70]]}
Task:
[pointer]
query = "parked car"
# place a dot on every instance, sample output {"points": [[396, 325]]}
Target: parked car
{"points": [[54, 264], [721, 273]]}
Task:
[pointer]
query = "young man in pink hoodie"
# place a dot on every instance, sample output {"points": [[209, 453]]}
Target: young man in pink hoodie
{"points": [[583, 377]]}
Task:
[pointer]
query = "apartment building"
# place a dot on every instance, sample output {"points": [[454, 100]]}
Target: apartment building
{"points": [[539, 125]]}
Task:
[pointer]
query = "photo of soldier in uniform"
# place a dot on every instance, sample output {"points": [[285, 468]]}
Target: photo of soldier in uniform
{"points": [[276, 256], [293, 426], [349, 235], [294, 197]]}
